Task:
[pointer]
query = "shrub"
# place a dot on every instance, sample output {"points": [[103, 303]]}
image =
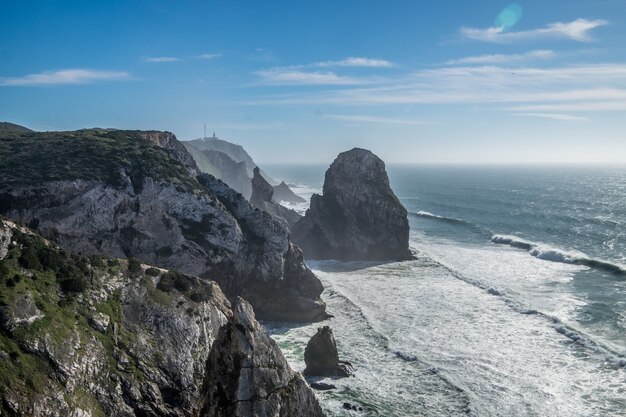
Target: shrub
{"points": [[181, 283], [113, 262], [28, 258], [50, 259], [96, 261], [166, 283], [134, 266], [199, 296], [153, 272], [71, 278], [75, 284], [4, 270]]}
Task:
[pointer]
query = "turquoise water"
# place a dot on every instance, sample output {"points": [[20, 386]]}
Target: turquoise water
{"points": [[516, 305]]}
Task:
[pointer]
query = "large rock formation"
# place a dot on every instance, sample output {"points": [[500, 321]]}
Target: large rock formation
{"points": [[321, 356], [132, 193], [263, 198], [358, 217], [250, 376], [85, 337]]}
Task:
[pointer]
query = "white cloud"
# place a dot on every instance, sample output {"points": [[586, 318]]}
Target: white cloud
{"points": [[67, 76], [577, 106], [160, 59], [558, 89], [208, 56], [577, 30], [554, 116], [503, 58], [373, 119], [290, 76], [357, 62]]}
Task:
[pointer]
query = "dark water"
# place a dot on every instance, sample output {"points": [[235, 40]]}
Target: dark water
{"points": [[516, 307]]}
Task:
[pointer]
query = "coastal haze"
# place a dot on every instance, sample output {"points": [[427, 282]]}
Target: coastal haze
{"points": [[228, 209]]}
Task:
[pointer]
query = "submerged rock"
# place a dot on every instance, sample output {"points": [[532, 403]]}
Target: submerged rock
{"points": [[250, 376], [321, 356], [322, 386], [358, 217]]}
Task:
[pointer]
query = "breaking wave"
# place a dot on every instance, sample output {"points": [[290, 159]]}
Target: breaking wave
{"points": [[548, 253], [430, 215]]}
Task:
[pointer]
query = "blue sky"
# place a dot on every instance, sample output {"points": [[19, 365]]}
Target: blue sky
{"points": [[295, 81]]}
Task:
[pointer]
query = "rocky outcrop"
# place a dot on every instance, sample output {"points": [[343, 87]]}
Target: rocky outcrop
{"points": [[132, 340], [263, 198], [262, 191], [133, 194], [321, 356], [358, 217], [282, 193], [250, 376]]}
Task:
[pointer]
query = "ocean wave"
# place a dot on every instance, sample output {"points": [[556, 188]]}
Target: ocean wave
{"points": [[548, 253], [611, 356], [430, 215]]}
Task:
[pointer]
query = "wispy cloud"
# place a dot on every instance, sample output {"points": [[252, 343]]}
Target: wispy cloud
{"points": [[208, 56], [67, 76], [504, 58], [575, 106], [357, 62], [289, 76], [559, 90], [157, 59], [577, 30], [373, 119], [554, 116]]}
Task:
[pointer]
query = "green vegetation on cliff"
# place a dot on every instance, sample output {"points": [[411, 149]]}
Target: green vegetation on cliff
{"points": [[32, 158], [50, 304]]}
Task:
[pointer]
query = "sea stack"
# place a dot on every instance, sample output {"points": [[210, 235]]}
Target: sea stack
{"points": [[321, 356], [358, 217]]}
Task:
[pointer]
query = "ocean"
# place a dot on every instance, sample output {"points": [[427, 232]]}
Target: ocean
{"points": [[515, 305]]}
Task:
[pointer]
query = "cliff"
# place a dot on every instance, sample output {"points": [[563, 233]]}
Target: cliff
{"points": [[358, 217], [87, 336], [136, 194]]}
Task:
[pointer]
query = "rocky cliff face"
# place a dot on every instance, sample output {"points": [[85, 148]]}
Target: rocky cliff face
{"points": [[131, 193], [250, 375], [88, 337], [232, 173], [358, 217], [263, 198], [236, 152]]}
